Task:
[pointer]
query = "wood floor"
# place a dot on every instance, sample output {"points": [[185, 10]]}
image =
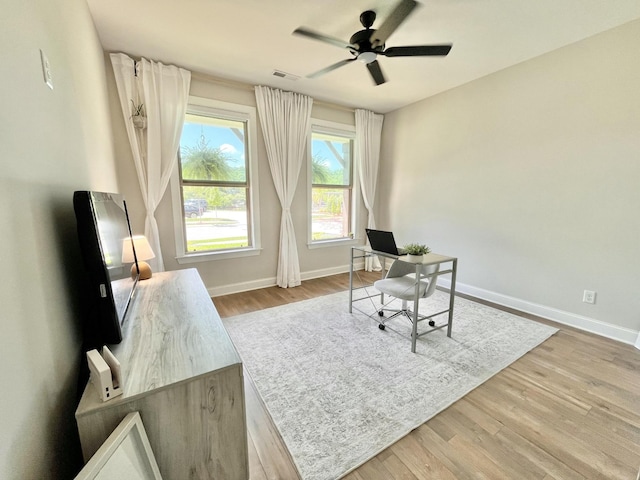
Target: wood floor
{"points": [[569, 409]]}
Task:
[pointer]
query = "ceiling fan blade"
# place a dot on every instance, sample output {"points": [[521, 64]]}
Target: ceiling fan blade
{"points": [[376, 72], [331, 68], [397, 16], [305, 32], [417, 50]]}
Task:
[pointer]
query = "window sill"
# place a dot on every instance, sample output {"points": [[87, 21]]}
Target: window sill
{"points": [[334, 243], [209, 256]]}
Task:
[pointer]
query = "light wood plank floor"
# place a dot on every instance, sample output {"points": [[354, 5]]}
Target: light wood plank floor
{"points": [[569, 409]]}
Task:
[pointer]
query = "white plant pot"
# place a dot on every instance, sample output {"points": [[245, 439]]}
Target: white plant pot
{"points": [[415, 258], [139, 121]]}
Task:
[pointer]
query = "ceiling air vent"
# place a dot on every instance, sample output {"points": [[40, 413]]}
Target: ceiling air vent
{"points": [[288, 76]]}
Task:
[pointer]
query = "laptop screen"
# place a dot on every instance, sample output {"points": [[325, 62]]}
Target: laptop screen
{"points": [[382, 241]]}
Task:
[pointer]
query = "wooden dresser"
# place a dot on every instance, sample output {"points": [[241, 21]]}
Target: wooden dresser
{"points": [[183, 374]]}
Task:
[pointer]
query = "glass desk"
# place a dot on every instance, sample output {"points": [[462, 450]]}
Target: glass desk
{"points": [[447, 266]]}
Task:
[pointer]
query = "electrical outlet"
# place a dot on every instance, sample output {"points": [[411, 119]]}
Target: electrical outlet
{"points": [[46, 70], [589, 296]]}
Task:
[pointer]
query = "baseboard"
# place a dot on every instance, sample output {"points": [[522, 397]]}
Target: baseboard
{"points": [[621, 334], [241, 287], [325, 272], [271, 281]]}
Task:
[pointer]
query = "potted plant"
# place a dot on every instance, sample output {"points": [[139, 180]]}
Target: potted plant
{"points": [[415, 251], [138, 117]]}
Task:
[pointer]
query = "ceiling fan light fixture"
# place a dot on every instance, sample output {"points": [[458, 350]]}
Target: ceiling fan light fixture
{"points": [[367, 57]]}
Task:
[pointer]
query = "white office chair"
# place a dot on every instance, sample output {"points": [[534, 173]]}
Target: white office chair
{"points": [[401, 282]]}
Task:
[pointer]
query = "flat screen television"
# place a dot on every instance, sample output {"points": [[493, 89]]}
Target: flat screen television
{"points": [[103, 227]]}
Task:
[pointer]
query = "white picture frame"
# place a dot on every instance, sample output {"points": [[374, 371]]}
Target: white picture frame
{"points": [[125, 454]]}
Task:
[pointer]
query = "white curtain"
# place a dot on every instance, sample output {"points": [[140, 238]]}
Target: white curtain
{"points": [[164, 92], [368, 133], [285, 118]]}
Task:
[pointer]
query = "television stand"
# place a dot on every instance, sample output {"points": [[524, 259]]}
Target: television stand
{"points": [[182, 373]]}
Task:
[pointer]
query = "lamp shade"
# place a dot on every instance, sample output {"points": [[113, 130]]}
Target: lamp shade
{"points": [[143, 249]]}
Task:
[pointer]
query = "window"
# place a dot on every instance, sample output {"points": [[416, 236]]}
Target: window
{"points": [[331, 170], [217, 211]]}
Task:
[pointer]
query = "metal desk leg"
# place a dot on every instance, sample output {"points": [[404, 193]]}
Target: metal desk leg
{"points": [[414, 329], [351, 284], [383, 274], [452, 294]]}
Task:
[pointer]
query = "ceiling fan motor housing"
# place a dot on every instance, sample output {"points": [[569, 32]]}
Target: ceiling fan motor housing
{"points": [[362, 40]]}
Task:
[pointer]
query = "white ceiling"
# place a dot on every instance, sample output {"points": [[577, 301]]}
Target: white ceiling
{"points": [[246, 40]]}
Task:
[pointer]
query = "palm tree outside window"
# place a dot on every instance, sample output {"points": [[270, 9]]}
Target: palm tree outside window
{"points": [[331, 185], [214, 184]]}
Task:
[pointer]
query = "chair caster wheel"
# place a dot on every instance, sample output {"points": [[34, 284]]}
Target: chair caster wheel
{"points": [[381, 313], [432, 323], [381, 326]]}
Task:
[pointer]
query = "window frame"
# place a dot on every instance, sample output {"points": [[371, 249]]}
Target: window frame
{"points": [[228, 111], [341, 130]]}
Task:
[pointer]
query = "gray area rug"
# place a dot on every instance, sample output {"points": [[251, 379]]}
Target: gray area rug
{"points": [[340, 390]]}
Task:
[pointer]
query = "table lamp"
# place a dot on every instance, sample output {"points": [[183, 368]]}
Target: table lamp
{"points": [[143, 252]]}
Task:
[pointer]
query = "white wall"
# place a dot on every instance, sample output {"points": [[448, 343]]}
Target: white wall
{"points": [[52, 142], [236, 274], [531, 177]]}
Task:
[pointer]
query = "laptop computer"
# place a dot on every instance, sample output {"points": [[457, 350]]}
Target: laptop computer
{"points": [[382, 241]]}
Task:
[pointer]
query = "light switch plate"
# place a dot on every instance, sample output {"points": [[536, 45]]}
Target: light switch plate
{"points": [[46, 70]]}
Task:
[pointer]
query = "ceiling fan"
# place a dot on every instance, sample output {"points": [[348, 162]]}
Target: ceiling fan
{"points": [[365, 45]]}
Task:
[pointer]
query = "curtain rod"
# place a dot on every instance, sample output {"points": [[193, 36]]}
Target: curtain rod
{"points": [[245, 86]]}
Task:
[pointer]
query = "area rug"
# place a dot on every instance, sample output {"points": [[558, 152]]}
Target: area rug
{"points": [[340, 390]]}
